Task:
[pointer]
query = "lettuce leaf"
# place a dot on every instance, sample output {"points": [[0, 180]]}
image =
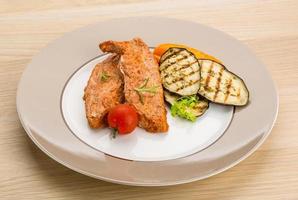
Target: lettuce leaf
{"points": [[183, 107]]}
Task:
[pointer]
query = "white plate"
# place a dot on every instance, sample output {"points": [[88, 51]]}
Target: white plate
{"points": [[183, 138], [50, 107]]}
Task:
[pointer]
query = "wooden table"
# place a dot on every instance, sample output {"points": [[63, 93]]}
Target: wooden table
{"points": [[270, 28]]}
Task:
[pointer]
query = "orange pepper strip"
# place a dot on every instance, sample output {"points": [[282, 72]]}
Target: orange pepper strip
{"points": [[162, 48]]}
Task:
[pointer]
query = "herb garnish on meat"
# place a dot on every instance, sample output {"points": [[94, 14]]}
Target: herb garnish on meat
{"points": [[104, 76], [143, 88]]}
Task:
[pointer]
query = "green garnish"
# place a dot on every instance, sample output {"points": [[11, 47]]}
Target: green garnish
{"points": [[143, 88], [104, 76], [183, 106]]}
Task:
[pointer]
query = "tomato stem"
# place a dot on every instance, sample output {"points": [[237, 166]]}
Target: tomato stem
{"points": [[114, 132]]}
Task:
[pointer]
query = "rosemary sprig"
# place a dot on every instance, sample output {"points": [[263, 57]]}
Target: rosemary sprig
{"points": [[143, 88], [104, 76]]}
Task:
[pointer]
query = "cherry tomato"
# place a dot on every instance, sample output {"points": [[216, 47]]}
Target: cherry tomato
{"points": [[123, 118]]}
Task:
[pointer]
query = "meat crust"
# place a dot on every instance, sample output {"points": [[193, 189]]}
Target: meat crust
{"points": [[138, 66], [104, 90]]}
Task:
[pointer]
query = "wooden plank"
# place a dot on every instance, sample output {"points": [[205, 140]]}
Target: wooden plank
{"points": [[270, 28]]}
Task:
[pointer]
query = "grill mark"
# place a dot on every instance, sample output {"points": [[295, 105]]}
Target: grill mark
{"points": [[238, 93], [201, 105], [181, 78], [175, 62], [218, 84], [185, 86], [172, 54], [169, 55], [187, 65], [206, 85], [183, 58], [228, 90], [184, 67]]}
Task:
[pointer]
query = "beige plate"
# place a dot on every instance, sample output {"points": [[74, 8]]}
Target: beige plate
{"points": [[40, 90]]}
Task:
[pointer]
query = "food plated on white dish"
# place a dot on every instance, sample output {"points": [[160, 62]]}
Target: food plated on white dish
{"points": [[169, 107], [129, 87]]}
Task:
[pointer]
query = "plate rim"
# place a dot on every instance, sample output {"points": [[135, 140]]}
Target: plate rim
{"points": [[249, 153]]}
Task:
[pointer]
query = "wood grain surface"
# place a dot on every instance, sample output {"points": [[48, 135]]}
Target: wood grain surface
{"points": [[270, 28]]}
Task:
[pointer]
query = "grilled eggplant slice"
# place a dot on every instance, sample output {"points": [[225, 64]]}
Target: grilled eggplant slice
{"points": [[188, 107], [219, 85], [200, 107], [180, 71], [170, 97]]}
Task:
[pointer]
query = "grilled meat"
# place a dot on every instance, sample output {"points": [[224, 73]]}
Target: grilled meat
{"points": [[103, 91], [142, 82]]}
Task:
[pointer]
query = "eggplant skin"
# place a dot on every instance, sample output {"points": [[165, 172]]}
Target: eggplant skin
{"points": [[219, 85], [180, 71]]}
